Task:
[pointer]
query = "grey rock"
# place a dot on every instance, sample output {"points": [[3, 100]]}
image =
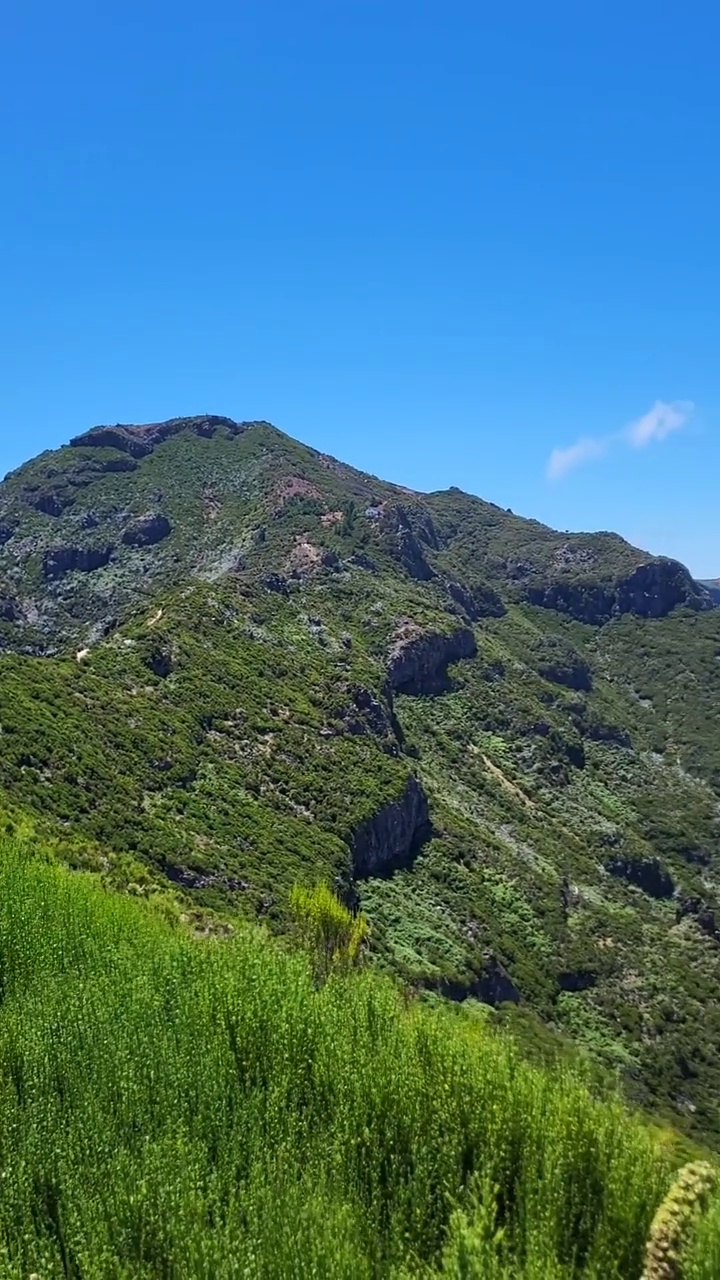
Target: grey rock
{"points": [[61, 560], [577, 979], [391, 838], [147, 530], [477, 603], [492, 986], [647, 874], [276, 582], [139, 441], [418, 659], [651, 590]]}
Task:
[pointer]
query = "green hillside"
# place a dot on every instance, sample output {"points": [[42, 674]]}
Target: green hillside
{"points": [[179, 1107], [229, 664]]}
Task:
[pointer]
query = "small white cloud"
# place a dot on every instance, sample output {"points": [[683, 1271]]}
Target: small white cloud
{"points": [[659, 422], [562, 461], [656, 424]]}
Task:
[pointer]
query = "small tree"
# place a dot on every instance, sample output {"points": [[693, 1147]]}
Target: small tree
{"points": [[349, 520], [334, 937]]}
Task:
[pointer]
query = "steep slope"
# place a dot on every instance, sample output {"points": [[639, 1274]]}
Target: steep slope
{"points": [[713, 586], [233, 662]]}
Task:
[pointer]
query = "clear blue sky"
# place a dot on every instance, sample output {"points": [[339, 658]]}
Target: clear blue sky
{"points": [[440, 240]]}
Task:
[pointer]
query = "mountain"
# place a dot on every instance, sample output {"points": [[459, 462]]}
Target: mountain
{"points": [[229, 663], [712, 585]]}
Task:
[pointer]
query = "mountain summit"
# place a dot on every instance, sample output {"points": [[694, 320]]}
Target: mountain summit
{"points": [[229, 663]]}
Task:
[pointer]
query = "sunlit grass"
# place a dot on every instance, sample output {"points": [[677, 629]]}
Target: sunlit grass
{"points": [[180, 1108]]}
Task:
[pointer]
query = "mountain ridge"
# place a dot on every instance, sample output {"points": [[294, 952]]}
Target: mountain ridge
{"points": [[229, 662]]}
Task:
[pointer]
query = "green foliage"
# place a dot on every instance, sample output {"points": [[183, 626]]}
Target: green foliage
{"points": [[332, 935], [179, 1108], [207, 743]]}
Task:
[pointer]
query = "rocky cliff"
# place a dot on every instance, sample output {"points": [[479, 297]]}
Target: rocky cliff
{"points": [[393, 835], [418, 658]]}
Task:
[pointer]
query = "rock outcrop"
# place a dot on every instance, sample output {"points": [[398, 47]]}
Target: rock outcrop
{"points": [[647, 874], [712, 586], [61, 560], [139, 441], [703, 915], [407, 542], [418, 659], [476, 602], [9, 610], [147, 530], [366, 714], [577, 979], [393, 835], [651, 590], [49, 502], [492, 986]]}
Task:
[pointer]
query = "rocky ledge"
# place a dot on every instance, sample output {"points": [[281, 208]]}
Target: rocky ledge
{"points": [[146, 530], [61, 560], [391, 838], [418, 659], [492, 986], [139, 441], [647, 874], [651, 590]]}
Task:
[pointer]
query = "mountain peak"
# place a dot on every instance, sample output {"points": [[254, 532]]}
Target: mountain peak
{"points": [[140, 439]]}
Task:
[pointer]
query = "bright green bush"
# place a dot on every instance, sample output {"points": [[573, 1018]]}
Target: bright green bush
{"points": [[330, 933]]}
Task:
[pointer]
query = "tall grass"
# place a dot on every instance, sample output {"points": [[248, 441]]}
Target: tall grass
{"points": [[179, 1108]]}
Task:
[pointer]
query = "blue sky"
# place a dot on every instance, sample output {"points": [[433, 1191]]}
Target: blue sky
{"points": [[448, 242]]}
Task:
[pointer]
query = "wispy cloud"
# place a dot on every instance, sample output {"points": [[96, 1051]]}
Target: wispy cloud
{"points": [[562, 461], [659, 422]]}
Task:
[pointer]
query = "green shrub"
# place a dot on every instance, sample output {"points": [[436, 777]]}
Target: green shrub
{"points": [[332, 935]]}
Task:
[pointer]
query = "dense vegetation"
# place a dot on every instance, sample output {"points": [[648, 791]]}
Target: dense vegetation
{"points": [[180, 1107], [229, 665]]}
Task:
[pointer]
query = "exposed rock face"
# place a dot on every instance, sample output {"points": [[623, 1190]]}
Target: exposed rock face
{"points": [[561, 663], [702, 914], [366, 714], [478, 603], [600, 731], [418, 659], [577, 980], [189, 879], [652, 590], [159, 660], [361, 561], [9, 611], [138, 441], [647, 874], [493, 986], [276, 582], [407, 541], [391, 837], [712, 586], [147, 530], [62, 560], [50, 503]]}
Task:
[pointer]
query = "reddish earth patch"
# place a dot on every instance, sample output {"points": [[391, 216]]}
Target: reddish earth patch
{"points": [[330, 518], [293, 487], [304, 557]]}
